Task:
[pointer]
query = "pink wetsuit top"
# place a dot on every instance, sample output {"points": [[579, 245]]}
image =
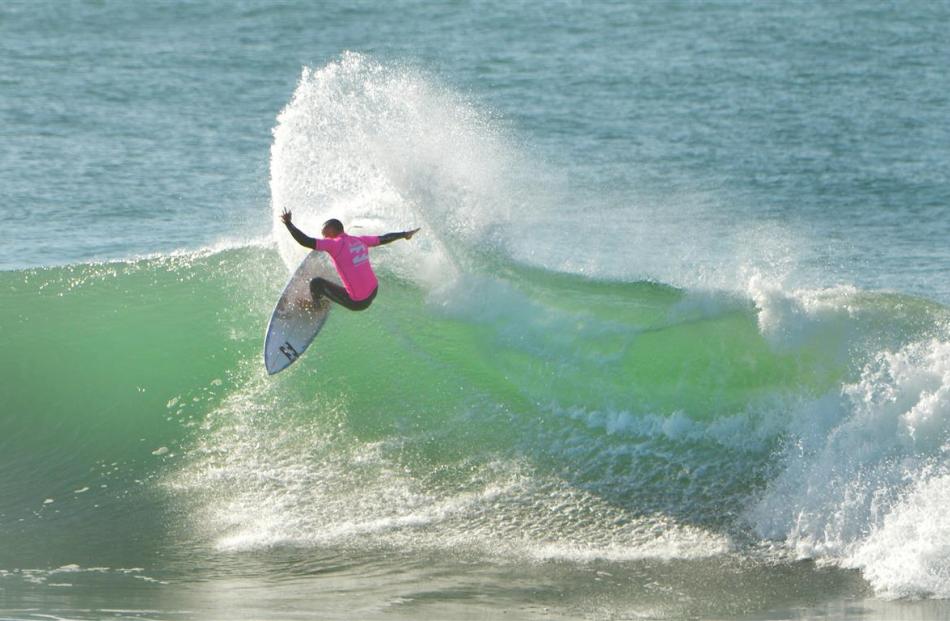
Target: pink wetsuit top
{"points": [[351, 257]]}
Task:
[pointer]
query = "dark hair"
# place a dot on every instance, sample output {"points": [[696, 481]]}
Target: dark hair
{"points": [[335, 224]]}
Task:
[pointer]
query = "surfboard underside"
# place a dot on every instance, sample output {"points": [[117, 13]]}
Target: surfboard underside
{"points": [[296, 321]]}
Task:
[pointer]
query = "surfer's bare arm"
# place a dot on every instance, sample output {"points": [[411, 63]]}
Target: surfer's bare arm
{"points": [[302, 238], [391, 237]]}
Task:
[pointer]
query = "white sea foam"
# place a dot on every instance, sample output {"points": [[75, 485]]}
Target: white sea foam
{"points": [[908, 554], [865, 480]]}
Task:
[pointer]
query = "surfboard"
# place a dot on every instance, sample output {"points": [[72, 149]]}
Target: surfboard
{"points": [[295, 321]]}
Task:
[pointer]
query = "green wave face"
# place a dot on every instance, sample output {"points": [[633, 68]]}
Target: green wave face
{"points": [[137, 408], [94, 359]]}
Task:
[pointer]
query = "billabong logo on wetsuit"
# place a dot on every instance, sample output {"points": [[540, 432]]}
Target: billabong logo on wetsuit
{"points": [[360, 252]]}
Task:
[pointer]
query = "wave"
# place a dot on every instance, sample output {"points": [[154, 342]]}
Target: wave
{"points": [[489, 403], [530, 416]]}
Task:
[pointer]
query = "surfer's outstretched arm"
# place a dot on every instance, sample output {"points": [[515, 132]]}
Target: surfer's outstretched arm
{"points": [[302, 238], [391, 237]]}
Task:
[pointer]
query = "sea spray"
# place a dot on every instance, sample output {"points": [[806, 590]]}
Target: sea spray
{"points": [[387, 148]]}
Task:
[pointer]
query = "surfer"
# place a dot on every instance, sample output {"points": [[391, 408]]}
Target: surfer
{"points": [[350, 255]]}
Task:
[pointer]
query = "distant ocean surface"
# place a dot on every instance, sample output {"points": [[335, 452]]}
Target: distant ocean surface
{"points": [[673, 342]]}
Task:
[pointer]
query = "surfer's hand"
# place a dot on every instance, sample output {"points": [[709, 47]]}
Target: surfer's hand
{"points": [[286, 216], [409, 234]]}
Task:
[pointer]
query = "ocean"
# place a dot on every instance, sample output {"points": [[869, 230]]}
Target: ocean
{"points": [[673, 341]]}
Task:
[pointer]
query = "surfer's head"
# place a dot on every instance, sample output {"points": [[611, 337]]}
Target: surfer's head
{"points": [[332, 228]]}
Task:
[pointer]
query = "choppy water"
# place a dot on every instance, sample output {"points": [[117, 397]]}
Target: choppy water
{"points": [[674, 342]]}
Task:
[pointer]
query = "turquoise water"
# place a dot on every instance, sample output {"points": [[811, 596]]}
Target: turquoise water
{"points": [[673, 342]]}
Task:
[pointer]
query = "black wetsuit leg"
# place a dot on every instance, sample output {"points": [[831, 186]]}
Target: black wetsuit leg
{"points": [[323, 287]]}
